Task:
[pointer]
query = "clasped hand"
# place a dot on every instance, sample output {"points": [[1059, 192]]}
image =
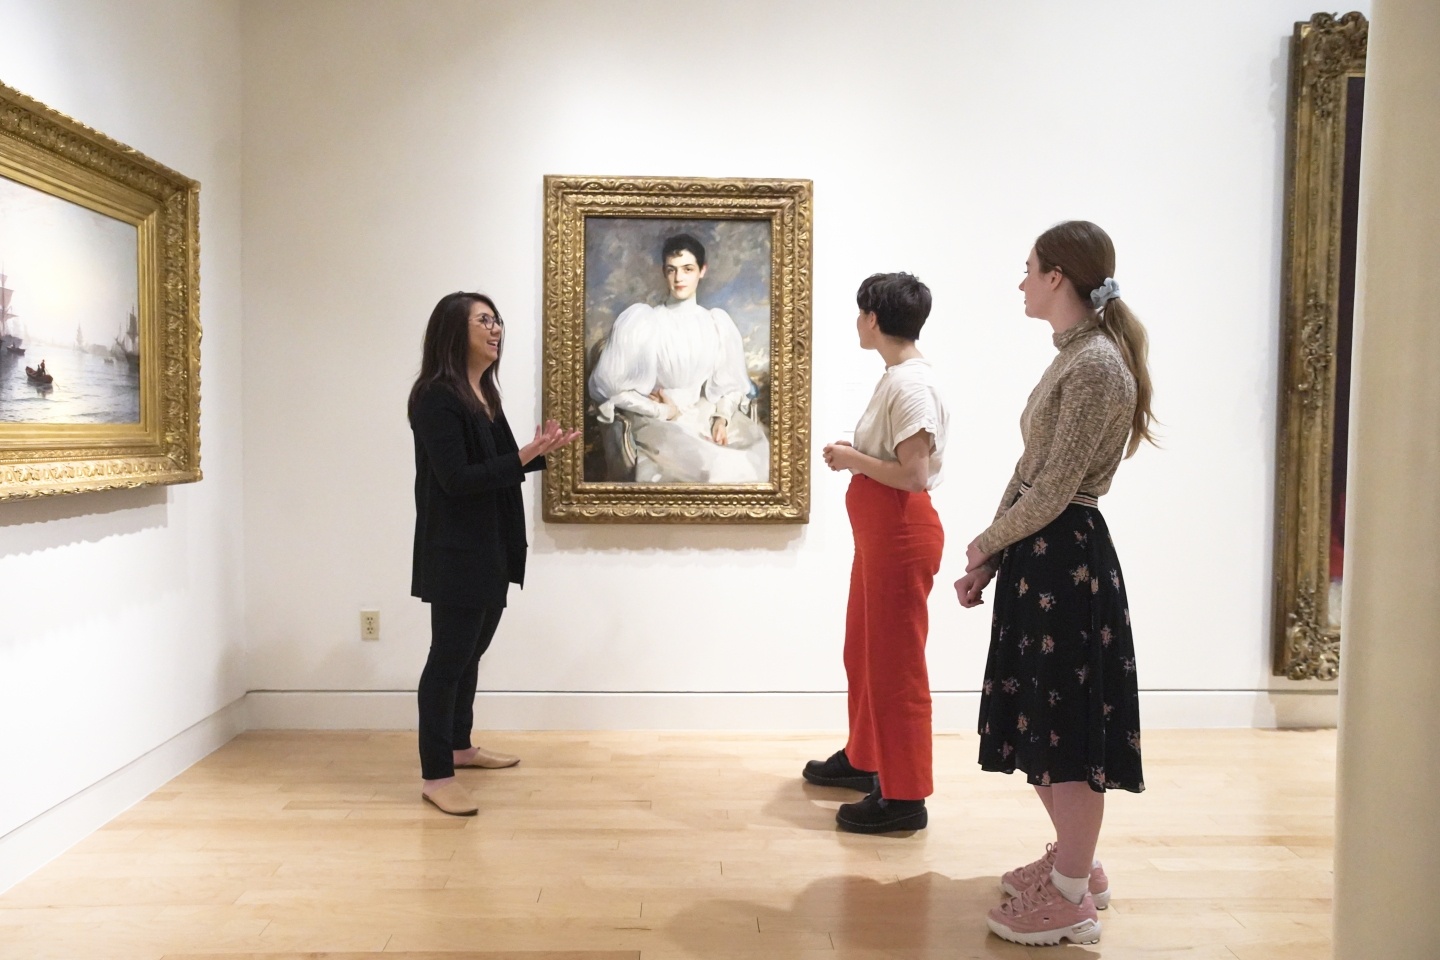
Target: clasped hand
{"points": [[978, 574], [548, 436], [840, 455]]}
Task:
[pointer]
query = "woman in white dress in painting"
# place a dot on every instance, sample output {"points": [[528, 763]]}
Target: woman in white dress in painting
{"points": [[676, 375]]}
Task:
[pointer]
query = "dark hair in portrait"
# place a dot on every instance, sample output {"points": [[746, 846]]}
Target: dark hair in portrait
{"points": [[444, 357], [680, 243], [900, 302]]}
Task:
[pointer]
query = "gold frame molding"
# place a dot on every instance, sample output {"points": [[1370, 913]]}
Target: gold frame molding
{"points": [[1326, 52], [786, 204], [50, 152]]}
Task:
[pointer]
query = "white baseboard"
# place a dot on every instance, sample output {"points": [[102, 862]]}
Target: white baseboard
{"points": [[36, 842], [395, 710]]}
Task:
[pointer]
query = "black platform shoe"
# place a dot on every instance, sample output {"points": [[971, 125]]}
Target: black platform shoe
{"points": [[837, 772], [875, 814]]}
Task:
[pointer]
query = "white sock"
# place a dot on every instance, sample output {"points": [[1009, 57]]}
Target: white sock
{"points": [[1071, 888]]}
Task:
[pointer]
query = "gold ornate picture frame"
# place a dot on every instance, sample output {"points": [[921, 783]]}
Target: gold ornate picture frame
{"points": [[694, 394], [1327, 71], [99, 315]]}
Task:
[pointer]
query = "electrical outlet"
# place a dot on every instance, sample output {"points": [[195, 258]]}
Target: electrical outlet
{"points": [[369, 624]]}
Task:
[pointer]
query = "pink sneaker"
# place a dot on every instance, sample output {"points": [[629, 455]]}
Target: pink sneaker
{"points": [[1042, 917], [1023, 878]]}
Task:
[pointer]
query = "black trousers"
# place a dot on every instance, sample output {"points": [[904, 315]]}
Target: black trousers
{"points": [[459, 636]]}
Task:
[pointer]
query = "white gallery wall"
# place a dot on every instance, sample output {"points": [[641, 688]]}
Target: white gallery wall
{"points": [[121, 613], [394, 152]]}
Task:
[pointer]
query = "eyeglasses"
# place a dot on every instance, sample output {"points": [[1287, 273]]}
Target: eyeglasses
{"points": [[489, 322]]}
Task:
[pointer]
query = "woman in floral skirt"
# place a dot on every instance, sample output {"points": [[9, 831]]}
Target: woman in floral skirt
{"points": [[1060, 697]]}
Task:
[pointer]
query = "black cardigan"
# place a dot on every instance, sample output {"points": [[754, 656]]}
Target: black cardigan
{"points": [[469, 520]]}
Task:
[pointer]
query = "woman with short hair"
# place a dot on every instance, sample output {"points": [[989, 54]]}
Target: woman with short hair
{"points": [[895, 460]]}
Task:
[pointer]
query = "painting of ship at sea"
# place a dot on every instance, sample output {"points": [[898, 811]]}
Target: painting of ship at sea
{"points": [[10, 342]]}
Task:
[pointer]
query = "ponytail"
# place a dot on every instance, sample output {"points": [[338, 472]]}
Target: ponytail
{"points": [[1122, 326]]}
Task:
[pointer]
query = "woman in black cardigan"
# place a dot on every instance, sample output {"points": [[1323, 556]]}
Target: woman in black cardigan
{"points": [[469, 527]]}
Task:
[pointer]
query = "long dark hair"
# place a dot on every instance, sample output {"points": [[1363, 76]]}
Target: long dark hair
{"points": [[1086, 256], [443, 359]]}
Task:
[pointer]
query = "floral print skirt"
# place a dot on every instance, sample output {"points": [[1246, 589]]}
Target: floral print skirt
{"points": [[1061, 698]]}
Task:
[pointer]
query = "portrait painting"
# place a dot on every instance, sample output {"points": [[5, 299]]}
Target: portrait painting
{"points": [[99, 310], [677, 333], [677, 347]]}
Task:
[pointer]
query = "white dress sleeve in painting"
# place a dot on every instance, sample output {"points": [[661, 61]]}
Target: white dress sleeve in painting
{"points": [[625, 372], [729, 383]]}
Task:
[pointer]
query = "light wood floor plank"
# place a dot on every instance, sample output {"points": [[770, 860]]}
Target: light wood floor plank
{"points": [[672, 846], [424, 955]]}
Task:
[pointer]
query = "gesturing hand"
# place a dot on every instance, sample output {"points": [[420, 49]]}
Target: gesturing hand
{"points": [[839, 455], [548, 436]]}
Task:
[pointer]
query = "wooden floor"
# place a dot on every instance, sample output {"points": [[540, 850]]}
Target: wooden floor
{"points": [[663, 846]]}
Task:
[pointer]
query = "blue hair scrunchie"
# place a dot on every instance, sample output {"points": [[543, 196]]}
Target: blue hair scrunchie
{"points": [[1103, 294]]}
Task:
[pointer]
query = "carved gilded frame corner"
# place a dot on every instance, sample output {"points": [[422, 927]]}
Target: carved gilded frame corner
{"points": [[45, 151], [575, 204], [1327, 53]]}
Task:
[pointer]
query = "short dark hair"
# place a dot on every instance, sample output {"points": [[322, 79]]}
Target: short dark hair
{"points": [[679, 244], [899, 301]]}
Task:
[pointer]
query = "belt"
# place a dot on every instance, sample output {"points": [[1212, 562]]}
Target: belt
{"points": [[1081, 499]]}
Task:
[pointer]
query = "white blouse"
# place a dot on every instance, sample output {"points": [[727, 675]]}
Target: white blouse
{"points": [[906, 401]]}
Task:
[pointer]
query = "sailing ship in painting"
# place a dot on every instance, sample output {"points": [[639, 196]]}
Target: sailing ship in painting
{"points": [[125, 349], [127, 343], [90, 381], [9, 341]]}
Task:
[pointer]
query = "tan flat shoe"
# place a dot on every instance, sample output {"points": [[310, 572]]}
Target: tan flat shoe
{"points": [[490, 760], [452, 799]]}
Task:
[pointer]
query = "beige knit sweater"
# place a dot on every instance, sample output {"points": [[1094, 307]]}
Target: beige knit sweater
{"points": [[1075, 427]]}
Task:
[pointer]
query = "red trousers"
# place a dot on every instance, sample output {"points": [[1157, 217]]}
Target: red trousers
{"points": [[898, 541]]}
